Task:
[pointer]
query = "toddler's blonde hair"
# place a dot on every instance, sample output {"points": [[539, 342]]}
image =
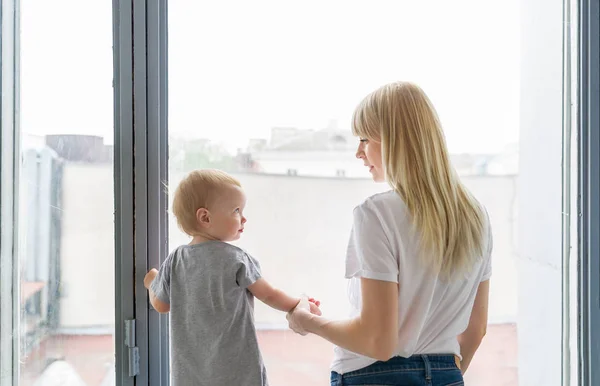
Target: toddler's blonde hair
{"points": [[198, 190]]}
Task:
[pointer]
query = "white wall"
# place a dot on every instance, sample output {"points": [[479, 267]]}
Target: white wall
{"points": [[312, 163], [539, 315], [87, 248], [297, 227]]}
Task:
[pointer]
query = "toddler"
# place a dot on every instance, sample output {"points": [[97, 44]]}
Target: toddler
{"points": [[209, 285]]}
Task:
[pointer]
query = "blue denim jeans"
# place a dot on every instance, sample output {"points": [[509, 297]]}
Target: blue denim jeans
{"points": [[418, 370]]}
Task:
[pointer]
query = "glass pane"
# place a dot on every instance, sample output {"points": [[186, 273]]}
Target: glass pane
{"points": [[66, 194], [265, 90]]}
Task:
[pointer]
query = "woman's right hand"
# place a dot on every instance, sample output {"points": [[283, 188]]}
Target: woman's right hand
{"points": [[299, 316]]}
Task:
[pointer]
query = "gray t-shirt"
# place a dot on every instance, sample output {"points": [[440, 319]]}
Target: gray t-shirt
{"points": [[213, 339]]}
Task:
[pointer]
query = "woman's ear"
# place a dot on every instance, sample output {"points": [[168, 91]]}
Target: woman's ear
{"points": [[203, 217]]}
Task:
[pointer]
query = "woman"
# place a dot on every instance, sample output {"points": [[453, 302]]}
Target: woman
{"points": [[418, 260]]}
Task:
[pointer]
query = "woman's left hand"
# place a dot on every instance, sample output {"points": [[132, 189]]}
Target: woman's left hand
{"points": [[300, 316]]}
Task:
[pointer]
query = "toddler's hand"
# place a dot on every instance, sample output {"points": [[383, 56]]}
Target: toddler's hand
{"points": [[149, 278], [314, 306]]}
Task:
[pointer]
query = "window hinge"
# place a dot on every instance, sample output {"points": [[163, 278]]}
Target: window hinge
{"points": [[132, 349]]}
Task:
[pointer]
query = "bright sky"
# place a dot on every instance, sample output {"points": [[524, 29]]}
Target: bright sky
{"points": [[238, 68]]}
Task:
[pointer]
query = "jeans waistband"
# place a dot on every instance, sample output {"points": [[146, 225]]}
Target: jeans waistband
{"points": [[428, 361]]}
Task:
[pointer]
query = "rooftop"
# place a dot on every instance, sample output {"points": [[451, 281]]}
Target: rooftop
{"points": [[291, 360]]}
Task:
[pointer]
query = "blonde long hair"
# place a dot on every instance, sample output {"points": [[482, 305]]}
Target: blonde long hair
{"points": [[417, 166]]}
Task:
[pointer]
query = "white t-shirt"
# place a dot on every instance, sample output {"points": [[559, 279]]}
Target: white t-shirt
{"points": [[432, 312]]}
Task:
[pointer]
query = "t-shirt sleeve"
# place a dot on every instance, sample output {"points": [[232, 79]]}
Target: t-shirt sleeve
{"points": [[371, 249], [248, 270], [487, 267], [161, 285]]}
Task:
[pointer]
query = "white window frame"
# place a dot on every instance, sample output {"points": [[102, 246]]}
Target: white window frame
{"points": [[9, 181]]}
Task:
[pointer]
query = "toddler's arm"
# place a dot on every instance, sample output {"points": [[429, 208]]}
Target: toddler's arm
{"points": [[275, 298], [158, 305]]}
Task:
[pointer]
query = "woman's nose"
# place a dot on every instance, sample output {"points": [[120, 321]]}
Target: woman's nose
{"points": [[359, 152]]}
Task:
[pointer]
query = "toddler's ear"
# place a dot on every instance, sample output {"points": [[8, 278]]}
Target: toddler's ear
{"points": [[203, 217]]}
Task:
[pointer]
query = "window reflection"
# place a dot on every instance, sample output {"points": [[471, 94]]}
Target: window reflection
{"points": [[66, 195]]}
